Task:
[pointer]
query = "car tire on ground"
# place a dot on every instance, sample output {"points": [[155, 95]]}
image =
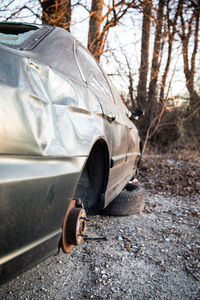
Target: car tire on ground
{"points": [[130, 201]]}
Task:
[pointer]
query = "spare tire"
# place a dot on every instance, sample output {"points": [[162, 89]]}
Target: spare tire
{"points": [[130, 201]]}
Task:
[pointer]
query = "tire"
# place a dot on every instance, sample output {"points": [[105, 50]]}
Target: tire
{"points": [[130, 201]]}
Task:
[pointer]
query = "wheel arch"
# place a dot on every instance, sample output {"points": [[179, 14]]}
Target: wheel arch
{"points": [[94, 178], [102, 145]]}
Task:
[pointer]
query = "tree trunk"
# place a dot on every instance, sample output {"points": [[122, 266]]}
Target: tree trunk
{"points": [[170, 24], [94, 42], [189, 66], [144, 64], [57, 13], [99, 25], [152, 101]]}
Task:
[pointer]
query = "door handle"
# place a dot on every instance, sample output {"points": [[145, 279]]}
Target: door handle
{"points": [[110, 117]]}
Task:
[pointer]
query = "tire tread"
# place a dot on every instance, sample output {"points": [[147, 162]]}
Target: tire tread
{"points": [[127, 203]]}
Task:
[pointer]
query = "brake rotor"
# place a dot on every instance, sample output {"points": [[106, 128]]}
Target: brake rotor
{"points": [[74, 226]]}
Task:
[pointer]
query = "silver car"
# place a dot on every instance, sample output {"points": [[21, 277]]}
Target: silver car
{"points": [[67, 144]]}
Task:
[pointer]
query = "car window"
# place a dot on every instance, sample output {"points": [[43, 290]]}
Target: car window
{"points": [[92, 72], [117, 99], [22, 36]]}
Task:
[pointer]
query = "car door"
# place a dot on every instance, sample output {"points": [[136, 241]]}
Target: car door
{"points": [[115, 127], [133, 140]]}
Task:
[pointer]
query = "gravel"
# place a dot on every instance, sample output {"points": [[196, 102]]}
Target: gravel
{"points": [[154, 255]]}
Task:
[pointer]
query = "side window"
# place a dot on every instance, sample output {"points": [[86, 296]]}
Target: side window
{"points": [[118, 100], [92, 72]]}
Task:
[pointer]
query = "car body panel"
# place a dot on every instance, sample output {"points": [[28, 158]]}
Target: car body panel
{"points": [[35, 113], [51, 117], [34, 193]]}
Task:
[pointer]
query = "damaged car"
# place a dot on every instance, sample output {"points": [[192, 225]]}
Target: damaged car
{"points": [[67, 144]]}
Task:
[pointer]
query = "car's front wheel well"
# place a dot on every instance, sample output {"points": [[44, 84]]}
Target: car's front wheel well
{"points": [[94, 178]]}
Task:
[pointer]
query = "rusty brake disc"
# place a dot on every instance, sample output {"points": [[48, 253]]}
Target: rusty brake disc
{"points": [[74, 226]]}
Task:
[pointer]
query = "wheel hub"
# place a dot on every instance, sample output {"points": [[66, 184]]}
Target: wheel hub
{"points": [[74, 226]]}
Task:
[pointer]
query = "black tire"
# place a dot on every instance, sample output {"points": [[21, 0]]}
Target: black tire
{"points": [[130, 201]]}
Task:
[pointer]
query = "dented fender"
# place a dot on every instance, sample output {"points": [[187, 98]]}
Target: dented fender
{"points": [[43, 113]]}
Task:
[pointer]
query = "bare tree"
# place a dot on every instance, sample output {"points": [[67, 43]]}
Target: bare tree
{"points": [[171, 28], [144, 63], [100, 25], [152, 100], [56, 13], [130, 76], [13, 9], [151, 104], [190, 29], [96, 19]]}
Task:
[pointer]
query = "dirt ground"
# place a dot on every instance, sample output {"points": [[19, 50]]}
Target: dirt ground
{"points": [[154, 255]]}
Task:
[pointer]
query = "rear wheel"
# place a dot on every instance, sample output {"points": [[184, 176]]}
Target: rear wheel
{"points": [[130, 201]]}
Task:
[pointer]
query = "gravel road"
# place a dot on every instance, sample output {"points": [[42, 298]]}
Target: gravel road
{"points": [[153, 255]]}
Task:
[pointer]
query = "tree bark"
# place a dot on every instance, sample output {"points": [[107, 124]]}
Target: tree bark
{"points": [[94, 33], [170, 44], [144, 64], [152, 100], [56, 13], [189, 66], [99, 25]]}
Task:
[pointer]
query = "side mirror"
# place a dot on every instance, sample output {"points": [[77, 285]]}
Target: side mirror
{"points": [[136, 114]]}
